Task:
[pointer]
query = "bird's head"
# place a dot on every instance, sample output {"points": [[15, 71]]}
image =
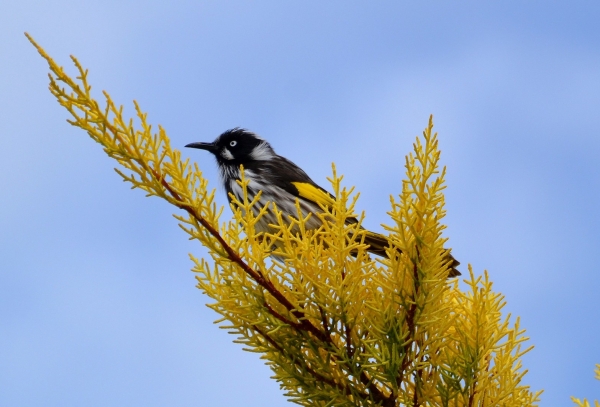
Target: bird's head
{"points": [[237, 146]]}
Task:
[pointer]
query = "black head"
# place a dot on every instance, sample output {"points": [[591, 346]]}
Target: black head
{"points": [[237, 146]]}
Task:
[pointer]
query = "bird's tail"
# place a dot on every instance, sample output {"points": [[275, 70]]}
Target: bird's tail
{"points": [[379, 243]]}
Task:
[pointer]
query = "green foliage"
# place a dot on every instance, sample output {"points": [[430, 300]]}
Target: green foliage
{"points": [[336, 326]]}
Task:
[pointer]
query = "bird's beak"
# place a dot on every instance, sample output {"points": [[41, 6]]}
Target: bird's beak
{"points": [[204, 146]]}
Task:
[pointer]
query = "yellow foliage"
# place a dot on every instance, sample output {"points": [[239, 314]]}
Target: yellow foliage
{"points": [[337, 327], [586, 403]]}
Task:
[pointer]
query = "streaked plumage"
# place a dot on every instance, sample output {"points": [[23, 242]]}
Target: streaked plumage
{"points": [[280, 180]]}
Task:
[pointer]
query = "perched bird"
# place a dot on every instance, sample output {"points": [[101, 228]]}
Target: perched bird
{"points": [[280, 180]]}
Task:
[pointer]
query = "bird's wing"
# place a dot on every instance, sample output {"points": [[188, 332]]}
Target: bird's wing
{"points": [[314, 193], [286, 175]]}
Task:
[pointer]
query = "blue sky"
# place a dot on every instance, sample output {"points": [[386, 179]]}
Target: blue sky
{"points": [[97, 303]]}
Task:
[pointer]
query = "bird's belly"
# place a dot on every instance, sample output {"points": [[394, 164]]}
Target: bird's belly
{"points": [[286, 204]]}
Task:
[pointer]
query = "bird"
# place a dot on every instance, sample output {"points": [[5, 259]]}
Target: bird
{"points": [[281, 182]]}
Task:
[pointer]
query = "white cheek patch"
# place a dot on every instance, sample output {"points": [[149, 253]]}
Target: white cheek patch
{"points": [[226, 154], [262, 152]]}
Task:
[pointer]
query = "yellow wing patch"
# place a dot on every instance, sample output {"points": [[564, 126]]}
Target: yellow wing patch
{"points": [[314, 194]]}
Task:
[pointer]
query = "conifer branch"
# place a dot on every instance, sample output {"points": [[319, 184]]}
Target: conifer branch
{"points": [[336, 327]]}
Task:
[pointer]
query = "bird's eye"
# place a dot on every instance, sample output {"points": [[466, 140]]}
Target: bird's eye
{"points": [[232, 143]]}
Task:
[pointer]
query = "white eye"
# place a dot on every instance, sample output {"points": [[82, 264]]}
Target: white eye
{"points": [[232, 143]]}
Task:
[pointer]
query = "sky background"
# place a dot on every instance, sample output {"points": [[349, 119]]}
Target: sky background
{"points": [[97, 303]]}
